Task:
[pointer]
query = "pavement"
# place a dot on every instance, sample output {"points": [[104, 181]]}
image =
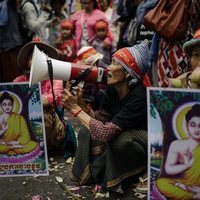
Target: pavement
{"points": [[55, 186], [49, 187]]}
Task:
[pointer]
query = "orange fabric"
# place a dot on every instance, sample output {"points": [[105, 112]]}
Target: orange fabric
{"points": [[87, 54], [146, 81]]}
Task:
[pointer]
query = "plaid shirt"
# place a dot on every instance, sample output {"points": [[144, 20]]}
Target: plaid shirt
{"points": [[101, 129]]}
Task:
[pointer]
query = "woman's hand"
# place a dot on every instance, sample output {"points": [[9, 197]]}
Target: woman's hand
{"points": [[70, 101], [76, 91]]}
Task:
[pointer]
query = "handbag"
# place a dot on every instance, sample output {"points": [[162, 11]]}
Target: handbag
{"points": [[168, 19]]}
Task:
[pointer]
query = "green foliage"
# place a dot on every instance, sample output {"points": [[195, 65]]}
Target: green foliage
{"points": [[153, 111], [156, 162], [164, 101], [34, 90]]}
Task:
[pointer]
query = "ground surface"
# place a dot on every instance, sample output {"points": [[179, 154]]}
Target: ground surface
{"points": [[47, 187]]}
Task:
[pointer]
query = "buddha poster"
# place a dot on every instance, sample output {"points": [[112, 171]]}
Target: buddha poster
{"points": [[22, 134], [174, 144]]}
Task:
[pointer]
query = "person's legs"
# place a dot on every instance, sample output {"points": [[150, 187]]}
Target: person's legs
{"points": [[81, 172], [126, 157], [89, 164]]}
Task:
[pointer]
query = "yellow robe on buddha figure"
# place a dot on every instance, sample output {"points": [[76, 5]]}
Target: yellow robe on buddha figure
{"points": [[17, 131], [191, 177]]}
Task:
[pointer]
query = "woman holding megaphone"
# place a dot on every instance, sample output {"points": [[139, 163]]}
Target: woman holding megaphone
{"points": [[112, 145]]}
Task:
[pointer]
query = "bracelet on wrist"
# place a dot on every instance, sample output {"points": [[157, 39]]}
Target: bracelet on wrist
{"points": [[77, 113]]}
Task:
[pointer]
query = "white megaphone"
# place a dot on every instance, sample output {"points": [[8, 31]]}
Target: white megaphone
{"points": [[61, 70]]}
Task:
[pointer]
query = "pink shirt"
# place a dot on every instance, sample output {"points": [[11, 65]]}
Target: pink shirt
{"points": [[80, 17], [46, 88]]}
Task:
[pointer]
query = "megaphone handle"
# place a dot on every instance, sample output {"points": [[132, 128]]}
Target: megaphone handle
{"points": [[50, 70], [81, 77]]}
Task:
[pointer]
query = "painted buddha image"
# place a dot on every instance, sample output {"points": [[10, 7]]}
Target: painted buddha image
{"points": [[182, 180], [15, 137]]}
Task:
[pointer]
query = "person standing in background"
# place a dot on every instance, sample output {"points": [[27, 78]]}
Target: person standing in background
{"points": [[107, 7], [66, 44], [84, 22], [10, 44], [34, 18], [101, 28], [59, 12]]}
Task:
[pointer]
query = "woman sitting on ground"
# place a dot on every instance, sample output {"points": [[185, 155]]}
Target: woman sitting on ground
{"points": [[112, 145]]}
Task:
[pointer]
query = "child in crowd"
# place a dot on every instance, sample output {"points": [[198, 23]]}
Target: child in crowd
{"points": [[101, 28], [91, 91], [66, 43], [108, 7]]}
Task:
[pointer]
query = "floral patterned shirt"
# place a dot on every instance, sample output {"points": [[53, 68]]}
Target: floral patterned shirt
{"points": [[46, 88]]}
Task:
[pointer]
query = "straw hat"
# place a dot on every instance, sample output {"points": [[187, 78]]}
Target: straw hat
{"points": [[27, 48]]}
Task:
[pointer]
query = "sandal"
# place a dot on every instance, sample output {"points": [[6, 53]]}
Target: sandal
{"points": [[100, 192], [117, 188], [142, 185]]}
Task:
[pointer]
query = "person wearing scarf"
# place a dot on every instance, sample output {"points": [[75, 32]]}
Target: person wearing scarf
{"points": [[112, 144]]}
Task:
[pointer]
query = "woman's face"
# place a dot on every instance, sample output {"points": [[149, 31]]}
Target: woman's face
{"points": [[195, 57], [87, 5], [115, 73], [7, 106], [194, 128]]}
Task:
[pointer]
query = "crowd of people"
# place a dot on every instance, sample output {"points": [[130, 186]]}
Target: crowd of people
{"points": [[112, 142]]}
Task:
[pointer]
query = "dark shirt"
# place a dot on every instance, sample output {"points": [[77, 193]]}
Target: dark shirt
{"points": [[130, 111], [116, 115]]}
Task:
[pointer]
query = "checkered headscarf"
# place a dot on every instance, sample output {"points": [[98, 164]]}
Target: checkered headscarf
{"points": [[135, 60]]}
